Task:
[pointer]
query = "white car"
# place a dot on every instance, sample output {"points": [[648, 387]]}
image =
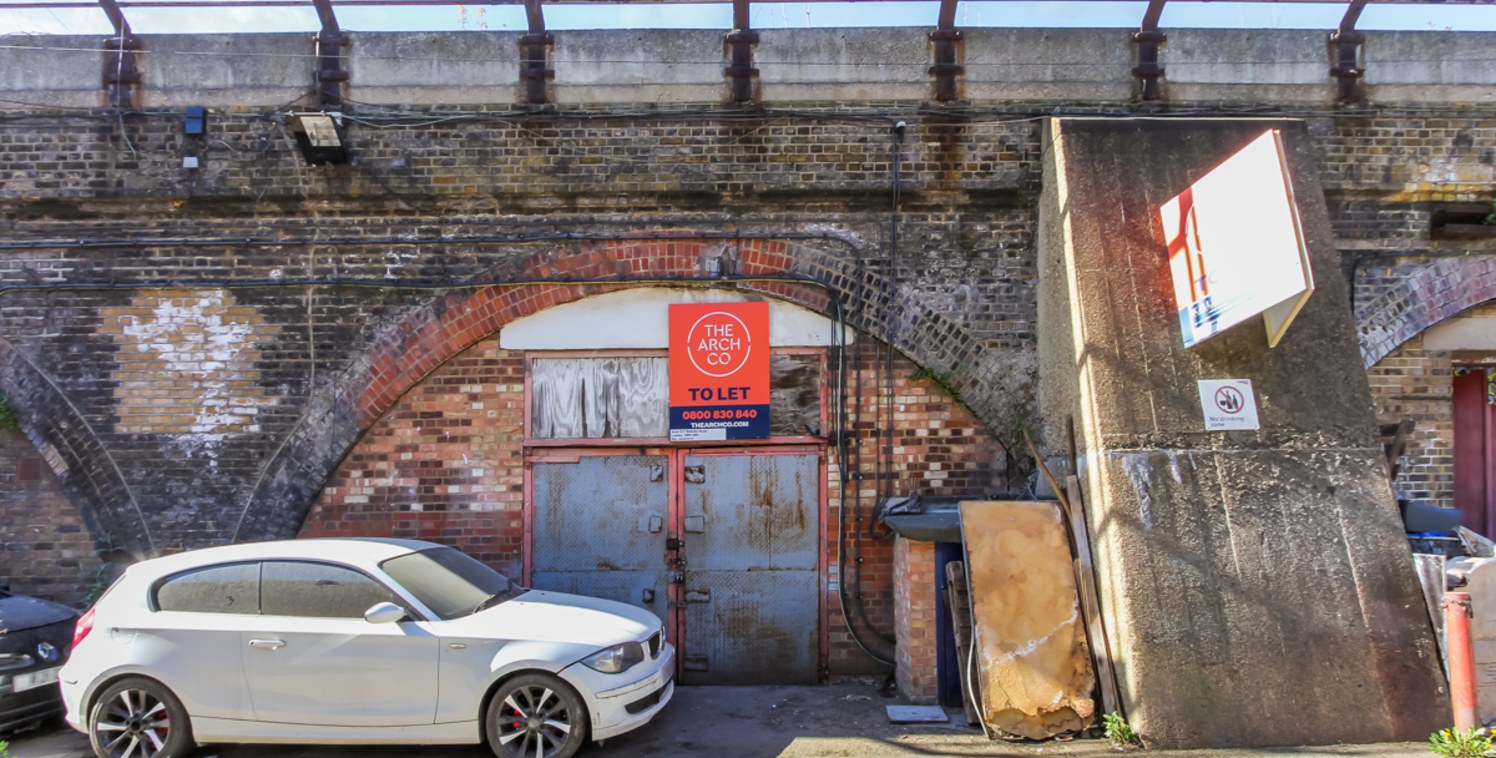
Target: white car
{"points": [[355, 641]]}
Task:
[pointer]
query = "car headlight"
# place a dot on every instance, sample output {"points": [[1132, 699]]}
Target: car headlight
{"points": [[616, 659]]}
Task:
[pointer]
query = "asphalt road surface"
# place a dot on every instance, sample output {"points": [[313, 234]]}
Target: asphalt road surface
{"points": [[837, 721]]}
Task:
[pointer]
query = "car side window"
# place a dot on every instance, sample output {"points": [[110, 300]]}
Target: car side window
{"points": [[232, 588], [298, 588]]}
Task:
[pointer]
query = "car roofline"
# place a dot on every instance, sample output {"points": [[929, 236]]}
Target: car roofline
{"points": [[361, 551]]}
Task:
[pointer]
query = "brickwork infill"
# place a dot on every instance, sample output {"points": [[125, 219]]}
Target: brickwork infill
{"points": [[445, 464], [45, 548], [915, 609], [1415, 383]]}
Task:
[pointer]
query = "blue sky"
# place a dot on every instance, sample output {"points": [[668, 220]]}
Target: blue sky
{"points": [[1260, 15]]}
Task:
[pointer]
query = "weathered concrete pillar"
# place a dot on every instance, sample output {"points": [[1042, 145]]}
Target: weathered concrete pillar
{"points": [[1256, 584]]}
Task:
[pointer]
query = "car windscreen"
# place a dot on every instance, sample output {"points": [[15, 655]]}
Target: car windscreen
{"points": [[449, 582]]}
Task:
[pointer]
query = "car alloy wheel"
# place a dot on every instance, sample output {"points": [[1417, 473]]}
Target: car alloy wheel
{"points": [[139, 718], [536, 716]]}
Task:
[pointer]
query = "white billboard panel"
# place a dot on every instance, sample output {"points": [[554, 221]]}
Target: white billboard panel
{"points": [[1236, 249]]}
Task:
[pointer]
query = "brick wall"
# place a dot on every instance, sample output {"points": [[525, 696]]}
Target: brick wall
{"points": [[939, 448], [915, 608], [103, 203], [445, 464], [1414, 382], [45, 546]]}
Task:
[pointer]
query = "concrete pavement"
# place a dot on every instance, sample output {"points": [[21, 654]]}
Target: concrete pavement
{"points": [[837, 721]]}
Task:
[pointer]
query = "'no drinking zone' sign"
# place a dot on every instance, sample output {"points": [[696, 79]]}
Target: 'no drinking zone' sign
{"points": [[719, 371]]}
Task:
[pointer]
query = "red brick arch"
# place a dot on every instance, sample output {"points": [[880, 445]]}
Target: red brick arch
{"points": [[1442, 288], [438, 331]]}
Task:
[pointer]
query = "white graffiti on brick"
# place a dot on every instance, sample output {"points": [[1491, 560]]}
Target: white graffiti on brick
{"points": [[187, 364]]}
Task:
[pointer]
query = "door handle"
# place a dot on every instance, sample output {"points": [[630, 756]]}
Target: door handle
{"points": [[271, 644]]}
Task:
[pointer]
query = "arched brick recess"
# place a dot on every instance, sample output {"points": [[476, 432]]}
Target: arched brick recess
{"points": [[75, 455], [48, 550], [436, 332], [1421, 298], [445, 463]]}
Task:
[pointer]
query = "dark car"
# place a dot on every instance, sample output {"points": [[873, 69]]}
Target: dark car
{"points": [[35, 636]]}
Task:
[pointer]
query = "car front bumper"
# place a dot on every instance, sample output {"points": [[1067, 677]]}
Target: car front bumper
{"points": [[621, 707]]}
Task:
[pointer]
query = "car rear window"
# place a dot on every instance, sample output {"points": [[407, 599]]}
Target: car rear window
{"points": [[230, 588]]}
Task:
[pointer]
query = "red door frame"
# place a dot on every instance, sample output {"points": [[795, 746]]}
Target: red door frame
{"points": [[1474, 452]]}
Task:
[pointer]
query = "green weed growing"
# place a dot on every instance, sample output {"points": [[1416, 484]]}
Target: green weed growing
{"points": [[1453, 743]]}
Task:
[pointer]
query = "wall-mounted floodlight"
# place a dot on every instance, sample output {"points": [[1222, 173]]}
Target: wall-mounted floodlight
{"points": [[320, 137]]}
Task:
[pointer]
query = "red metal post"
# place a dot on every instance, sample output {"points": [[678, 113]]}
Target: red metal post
{"points": [[1461, 652]]}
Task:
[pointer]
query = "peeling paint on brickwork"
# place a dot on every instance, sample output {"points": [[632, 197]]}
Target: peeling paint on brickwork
{"points": [[204, 340]]}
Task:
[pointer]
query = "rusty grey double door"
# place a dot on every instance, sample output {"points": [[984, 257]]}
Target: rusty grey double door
{"points": [[723, 546]]}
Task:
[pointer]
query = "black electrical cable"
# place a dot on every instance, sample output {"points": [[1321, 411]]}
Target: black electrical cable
{"points": [[475, 239], [895, 312], [850, 459]]}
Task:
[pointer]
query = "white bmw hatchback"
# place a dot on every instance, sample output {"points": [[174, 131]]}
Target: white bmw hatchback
{"points": [[355, 641]]}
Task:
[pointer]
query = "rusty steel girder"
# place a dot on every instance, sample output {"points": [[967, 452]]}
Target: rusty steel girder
{"points": [[947, 68], [121, 73], [534, 55], [1346, 49], [740, 72], [1147, 41], [329, 44]]}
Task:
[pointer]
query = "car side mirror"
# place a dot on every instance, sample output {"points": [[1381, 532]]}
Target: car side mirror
{"points": [[384, 613]]}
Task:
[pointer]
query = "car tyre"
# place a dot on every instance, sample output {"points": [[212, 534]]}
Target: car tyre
{"points": [[536, 715], [139, 718]]}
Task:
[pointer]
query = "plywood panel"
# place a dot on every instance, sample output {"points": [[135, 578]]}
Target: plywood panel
{"points": [[795, 395], [1033, 666], [598, 398]]}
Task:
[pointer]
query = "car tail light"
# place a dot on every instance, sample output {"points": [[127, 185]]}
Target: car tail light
{"points": [[83, 627]]}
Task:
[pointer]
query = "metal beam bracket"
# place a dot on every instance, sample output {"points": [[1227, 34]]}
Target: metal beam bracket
{"points": [[330, 72], [535, 55], [1349, 73], [1149, 71], [947, 70], [329, 43], [121, 72], [1346, 56], [534, 69], [741, 74]]}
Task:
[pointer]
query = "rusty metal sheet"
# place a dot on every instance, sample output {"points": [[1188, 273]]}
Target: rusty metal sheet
{"points": [[1033, 665], [751, 542], [600, 528]]}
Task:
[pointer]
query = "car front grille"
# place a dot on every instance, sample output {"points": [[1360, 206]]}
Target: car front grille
{"points": [[655, 643]]}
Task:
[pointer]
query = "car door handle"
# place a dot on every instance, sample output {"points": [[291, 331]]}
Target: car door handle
{"points": [[272, 644]]}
